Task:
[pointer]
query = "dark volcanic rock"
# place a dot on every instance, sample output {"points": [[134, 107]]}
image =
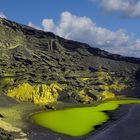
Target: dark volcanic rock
{"points": [[35, 56], [4, 135]]}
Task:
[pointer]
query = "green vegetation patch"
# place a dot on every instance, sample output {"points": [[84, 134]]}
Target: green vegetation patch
{"points": [[13, 118], [78, 121]]}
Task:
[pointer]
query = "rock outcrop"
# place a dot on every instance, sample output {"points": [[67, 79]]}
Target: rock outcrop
{"points": [[36, 57]]}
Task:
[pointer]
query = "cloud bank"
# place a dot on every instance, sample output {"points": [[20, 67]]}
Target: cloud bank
{"points": [[85, 30], [2, 15], [33, 26], [129, 8]]}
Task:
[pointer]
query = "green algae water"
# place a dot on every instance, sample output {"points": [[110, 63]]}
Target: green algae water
{"points": [[78, 121]]}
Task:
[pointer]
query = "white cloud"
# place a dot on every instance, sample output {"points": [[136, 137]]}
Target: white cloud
{"points": [[48, 25], [85, 30], [132, 49], [33, 26], [130, 8], [2, 15]]}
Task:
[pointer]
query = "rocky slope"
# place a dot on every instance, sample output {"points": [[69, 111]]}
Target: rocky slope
{"points": [[83, 73]]}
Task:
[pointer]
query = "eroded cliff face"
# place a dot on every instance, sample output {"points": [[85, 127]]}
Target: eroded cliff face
{"points": [[33, 57]]}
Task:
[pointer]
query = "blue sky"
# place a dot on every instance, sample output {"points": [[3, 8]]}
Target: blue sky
{"points": [[111, 15]]}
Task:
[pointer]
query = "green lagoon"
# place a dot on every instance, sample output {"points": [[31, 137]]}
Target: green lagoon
{"points": [[78, 121]]}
